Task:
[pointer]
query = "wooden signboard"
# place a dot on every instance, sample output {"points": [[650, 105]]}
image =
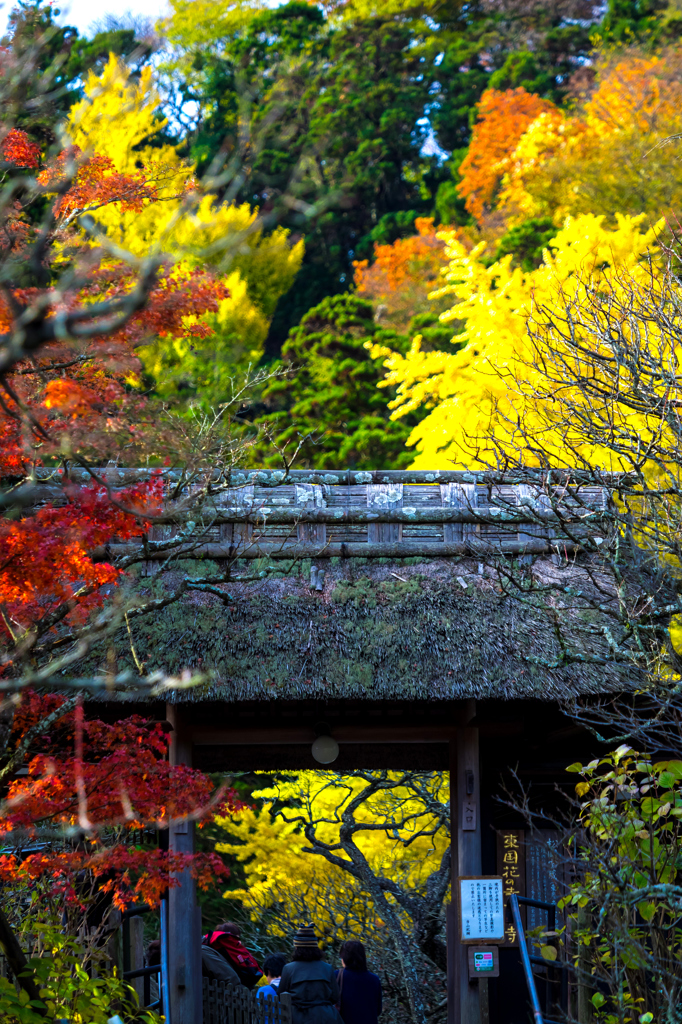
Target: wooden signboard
{"points": [[511, 865], [481, 909], [544, 873]]}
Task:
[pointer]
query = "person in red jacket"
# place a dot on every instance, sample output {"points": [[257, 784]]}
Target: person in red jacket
{"points": [[226, 940]]}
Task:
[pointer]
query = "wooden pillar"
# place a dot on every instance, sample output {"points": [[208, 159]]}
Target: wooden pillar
{"points": [[464, 1005], [136, 932], [311, 496], [184, 942]]}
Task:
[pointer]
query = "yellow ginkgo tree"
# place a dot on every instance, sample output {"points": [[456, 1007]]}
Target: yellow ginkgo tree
{"points": [[489, 393], [570, 374], [118, 116], [363, 854]]}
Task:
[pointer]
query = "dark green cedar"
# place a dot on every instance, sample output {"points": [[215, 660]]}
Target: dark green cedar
{"points": [[331, 393]]}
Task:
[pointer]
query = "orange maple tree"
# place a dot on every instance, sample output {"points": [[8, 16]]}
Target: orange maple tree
{"points": [[402, 274], [503, 117]]}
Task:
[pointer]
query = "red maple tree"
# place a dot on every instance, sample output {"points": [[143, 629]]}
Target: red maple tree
{"points": [[88, 784]]}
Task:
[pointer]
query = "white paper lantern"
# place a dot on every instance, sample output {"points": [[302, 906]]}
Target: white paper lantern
{"points": [[325, 749]]}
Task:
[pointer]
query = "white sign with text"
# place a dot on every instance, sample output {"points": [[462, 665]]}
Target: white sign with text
{"points": [[481, 905]]}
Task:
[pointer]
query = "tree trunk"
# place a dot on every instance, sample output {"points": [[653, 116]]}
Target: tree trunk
{"points": [[408, 960], [17, 961]]}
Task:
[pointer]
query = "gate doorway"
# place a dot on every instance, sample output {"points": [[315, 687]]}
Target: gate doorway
{"points": [[474, 741]]}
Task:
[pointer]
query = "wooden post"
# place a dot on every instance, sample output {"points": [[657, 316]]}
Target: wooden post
{"points": [[184, 952], [464, 1004], [384, 497], [459, 496], [310, 496], [136, 926]]}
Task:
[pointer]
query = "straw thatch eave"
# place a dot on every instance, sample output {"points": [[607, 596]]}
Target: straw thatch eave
{"points": [[427, 631]]}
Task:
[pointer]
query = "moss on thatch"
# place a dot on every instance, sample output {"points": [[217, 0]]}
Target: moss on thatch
{"points": [[431, 631]]}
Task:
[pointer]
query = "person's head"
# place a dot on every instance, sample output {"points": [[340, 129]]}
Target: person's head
{"points": [[273, 965], [230, 928], [305, 945], [154, 953], [353, 955]]}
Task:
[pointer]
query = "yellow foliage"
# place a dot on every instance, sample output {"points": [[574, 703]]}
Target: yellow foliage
{"points": [[196, 24], [536, 183], [277, 868], [611, 156], [116, 116], [490, 383], [640, 92]]}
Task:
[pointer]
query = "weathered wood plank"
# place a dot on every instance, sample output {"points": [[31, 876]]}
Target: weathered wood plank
{"points": [[463, 500], [232, 531], [116, 476], [492, 515], [311, 498]]}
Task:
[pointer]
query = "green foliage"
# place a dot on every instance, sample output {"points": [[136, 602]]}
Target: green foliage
{"points": [[526, 242], [479, 48], [625, 906], [523, 69], [365, 593], [450, 206], [331, 392], [338, 108], [67, 991], [343, 106], [640, 21]]}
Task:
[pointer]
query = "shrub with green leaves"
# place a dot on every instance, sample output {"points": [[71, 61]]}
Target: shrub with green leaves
{"points": [[62, 967], [625, 909], [329, 405]]}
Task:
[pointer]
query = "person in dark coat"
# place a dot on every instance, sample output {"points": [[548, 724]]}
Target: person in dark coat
{"points": [[360, 990], [311, 982], [215, 967]]}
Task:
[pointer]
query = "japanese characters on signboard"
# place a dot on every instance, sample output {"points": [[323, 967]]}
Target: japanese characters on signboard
{"points": [[481, 909], [511, 864]]}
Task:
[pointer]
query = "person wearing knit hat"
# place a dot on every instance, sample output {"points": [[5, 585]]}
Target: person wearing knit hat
{"points": [[310, 981], [305, 937]]}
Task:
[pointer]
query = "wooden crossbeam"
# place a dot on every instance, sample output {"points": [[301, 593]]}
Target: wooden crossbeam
{"points": [[377, 549]]}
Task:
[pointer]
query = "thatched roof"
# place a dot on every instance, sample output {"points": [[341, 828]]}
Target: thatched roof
{"points": [[433, 630]]}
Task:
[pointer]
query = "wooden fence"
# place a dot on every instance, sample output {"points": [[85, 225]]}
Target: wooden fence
{"points": [[235, 1004]]}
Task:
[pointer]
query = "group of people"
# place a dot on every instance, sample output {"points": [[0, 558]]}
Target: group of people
{"points": [[319, 993]]}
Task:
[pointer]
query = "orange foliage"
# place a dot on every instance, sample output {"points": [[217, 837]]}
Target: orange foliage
{"points": [[503, 119], [75, 395], [402, 274], [640, 92], [96, 183], [405, 258], [46, 558], [18, 149], [613, 154]]}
